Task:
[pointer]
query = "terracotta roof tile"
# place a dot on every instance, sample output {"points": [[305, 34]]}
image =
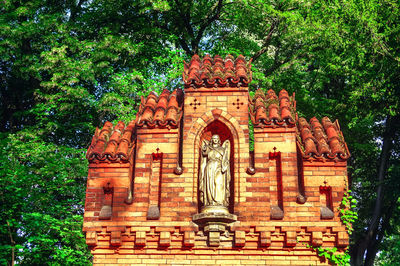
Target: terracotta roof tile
{"points": [[321, 141], [269, 110], [217, 72], [161, 111], [112, 144]]}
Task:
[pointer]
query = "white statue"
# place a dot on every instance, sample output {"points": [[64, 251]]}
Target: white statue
{"points": [[214, 177]]}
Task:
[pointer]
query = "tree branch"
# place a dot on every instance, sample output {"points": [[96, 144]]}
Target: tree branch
{"points": [[211, 17], [157, 24], [185, 47], [181, 42], [266, 41], [186, 19]]}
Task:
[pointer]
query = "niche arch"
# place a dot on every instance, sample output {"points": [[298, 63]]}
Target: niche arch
{"points": [[209, 121], [216, 127]]}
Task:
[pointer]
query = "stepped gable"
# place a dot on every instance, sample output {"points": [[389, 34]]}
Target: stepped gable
{"points": [[269, 110], [164, 111], [112, 144], [217, 72], [321, 141]]}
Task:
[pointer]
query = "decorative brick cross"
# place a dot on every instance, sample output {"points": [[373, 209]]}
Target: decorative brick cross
{"points": [[157, 156], [238, 103], [195, 104]]}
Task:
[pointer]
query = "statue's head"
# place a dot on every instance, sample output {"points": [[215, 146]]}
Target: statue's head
{"points": [[215, 140]]}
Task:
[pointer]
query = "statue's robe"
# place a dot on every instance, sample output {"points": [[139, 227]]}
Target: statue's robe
{"points": [[214, 175]]}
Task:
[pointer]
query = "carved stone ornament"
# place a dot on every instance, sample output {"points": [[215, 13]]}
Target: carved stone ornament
{"points": [[214, 180]]}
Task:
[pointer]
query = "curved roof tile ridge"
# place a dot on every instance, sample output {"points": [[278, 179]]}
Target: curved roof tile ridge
{"points": [[112, 144], [271, 94], [321, 141], [164, 111], [217, 72], [269, 110]]}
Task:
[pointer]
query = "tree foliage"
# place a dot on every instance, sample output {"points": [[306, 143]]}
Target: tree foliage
{"points": [[66, 67]]}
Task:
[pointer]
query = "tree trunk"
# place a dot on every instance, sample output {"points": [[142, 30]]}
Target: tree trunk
{"points": [[12, 244], [370, 235], [373, 248]]}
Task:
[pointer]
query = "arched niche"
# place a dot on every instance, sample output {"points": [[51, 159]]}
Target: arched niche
{"points": [[217, 127]]}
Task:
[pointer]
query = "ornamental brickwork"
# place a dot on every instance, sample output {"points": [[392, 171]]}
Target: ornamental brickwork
{"points": [[143, 197]]}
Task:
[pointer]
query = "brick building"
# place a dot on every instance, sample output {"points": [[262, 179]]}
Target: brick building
{"points": [[142, 200]]}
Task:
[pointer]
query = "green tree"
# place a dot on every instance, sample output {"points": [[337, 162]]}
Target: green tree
{"points": [[342, 60], [60, 78], [67, 67]]}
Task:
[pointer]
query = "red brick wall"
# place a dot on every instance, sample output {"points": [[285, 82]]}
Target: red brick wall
{"points": [[129, 237], [277, 257]]}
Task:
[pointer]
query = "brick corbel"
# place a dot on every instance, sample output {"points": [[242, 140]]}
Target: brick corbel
{"points": [[91, 238], [188, 239], [140, 238], [214, 238], [265, 235], [316, 234], [240, 238], [291, 238], [165, 239], [291, 235], [115, 236], [188, 235], [342, 239], [316, 239], [265, 238]]}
